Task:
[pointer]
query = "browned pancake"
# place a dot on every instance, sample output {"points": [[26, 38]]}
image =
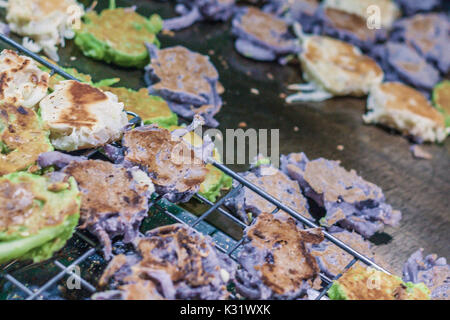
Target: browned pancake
{"points": [[182, 70], [351, 22], [170, 162], [262, 25], [289, 263], [106, 189], [24, 137], [404, 98]]}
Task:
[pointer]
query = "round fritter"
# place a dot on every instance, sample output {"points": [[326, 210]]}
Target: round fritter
{"points": [[338, 67], [182, 75], [171, 162], [349, 27], [118, 36], [428, 34], [151, 109], [275, 260], [403, 108], [22, 83], [114, 199], [22, 138], [37, 214], [262, 36], [361, 283], [81, 116], [248, 204], [388, 9], [347, 198], [431, 270], [173, 262]]}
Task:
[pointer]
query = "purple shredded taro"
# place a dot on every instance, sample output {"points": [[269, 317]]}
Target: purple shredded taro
{"points": [[402, 63], [366, 211], [192, 11], [434, 272], [429, 34]]}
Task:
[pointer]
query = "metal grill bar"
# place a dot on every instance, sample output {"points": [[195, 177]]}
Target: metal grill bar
{"points": [[212, 207]]}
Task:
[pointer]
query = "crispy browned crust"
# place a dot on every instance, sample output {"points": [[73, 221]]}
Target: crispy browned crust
{"points": [[350, 22], [24, 134], [170, 162], [265, 27], [106, 189], [290, 263], [404, 98], [82, 96], [182, 70]]}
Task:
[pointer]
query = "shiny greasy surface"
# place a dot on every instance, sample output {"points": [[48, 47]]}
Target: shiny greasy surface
{"points": [[419, 188], [23, 135]]}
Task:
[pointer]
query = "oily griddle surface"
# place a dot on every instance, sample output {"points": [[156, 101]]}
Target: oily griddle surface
{"points": [[419, 188]]}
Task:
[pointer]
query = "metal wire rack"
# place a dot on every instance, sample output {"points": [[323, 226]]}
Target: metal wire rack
{"points": [[61, 269]]}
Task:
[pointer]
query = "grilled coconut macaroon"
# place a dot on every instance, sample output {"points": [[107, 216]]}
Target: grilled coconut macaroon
{"points": [[118, 36], [349, 200], [177, 169], [276, 263], [151, 109], [22, 138], [333, 68], [402, 63], [187, 80], [81, 116], [38, 214], [199, 10], [389, 10], [405, 109], [114, 199], [434, 272], [332, 260], [22, 83], [361, 283], [248, 204], [429, 35], [441, 99], [215, 180], [262, 36], [172, 262], [412, 7], [44, 23]]}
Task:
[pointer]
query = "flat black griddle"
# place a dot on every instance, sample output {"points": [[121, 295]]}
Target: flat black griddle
{"points": [[417, 187]]}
